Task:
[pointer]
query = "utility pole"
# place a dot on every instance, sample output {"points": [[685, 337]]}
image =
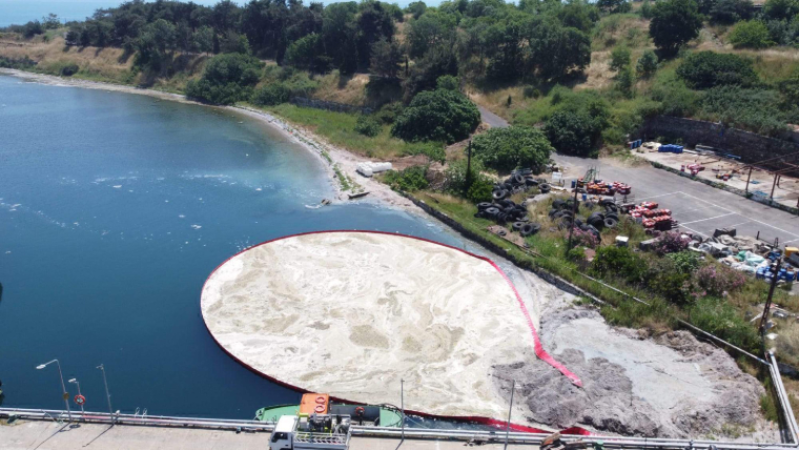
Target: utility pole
{"points": [[107, 393], [763, 320], [402, 408], [510, 411], [571, 225]]}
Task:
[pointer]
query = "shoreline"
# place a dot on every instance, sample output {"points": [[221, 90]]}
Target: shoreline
{"points": [[345, 160]]}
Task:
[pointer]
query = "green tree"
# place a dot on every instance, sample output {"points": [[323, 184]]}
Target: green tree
{"points": [[386, 59], [750, 34], [556, 51], [448, 82], [781, 9], [619, 58], [625, 81], [730, 11], [440, 115], [427, 31], [576, 126], [647, 64], [704, 70], [227, 79], [646, 10], [504, 149], [271, 94], [204, 40], [674, 22], [416, 9], [308, 53]]}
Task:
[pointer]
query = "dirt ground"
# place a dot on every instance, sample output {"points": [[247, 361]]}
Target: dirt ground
{"points": [[668, 386]]}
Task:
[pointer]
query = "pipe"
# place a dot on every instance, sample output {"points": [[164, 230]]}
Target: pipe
{"points": [[462, 435]]}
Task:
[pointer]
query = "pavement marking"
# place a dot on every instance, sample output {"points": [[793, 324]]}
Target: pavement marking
{"points": [[657, 196], [772, 226], [695, 231], [739, 224], [709, 203], [711, 218]]}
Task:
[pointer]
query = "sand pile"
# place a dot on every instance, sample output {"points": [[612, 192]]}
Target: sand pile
{"points": [[350, 313]]}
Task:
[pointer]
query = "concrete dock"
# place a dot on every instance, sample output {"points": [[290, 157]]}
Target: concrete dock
{"points": [[48, 435]]}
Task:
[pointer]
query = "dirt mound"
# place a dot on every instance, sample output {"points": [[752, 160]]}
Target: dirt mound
{"points": [[668, 386]]}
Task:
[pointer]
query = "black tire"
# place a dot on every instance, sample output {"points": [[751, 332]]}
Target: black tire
{"points": [[595, 216], [544, 188], [530, 182], [612, 215], [611, 207], [518, 226], [610, 222], [558, 204], [484, 205], [518, 178], [577, 221], [500, 194], [491, 212], [528, 229]]}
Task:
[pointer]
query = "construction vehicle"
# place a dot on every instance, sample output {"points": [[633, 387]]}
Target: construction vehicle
{"points": [[314, 428]]}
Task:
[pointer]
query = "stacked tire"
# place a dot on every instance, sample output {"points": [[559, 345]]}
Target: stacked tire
{"points": [[506, 211]]}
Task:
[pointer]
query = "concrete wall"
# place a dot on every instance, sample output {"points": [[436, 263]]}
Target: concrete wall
{"points": [[750, 147]]}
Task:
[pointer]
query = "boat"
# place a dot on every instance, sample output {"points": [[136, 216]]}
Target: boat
{"points": [[369, 415]]}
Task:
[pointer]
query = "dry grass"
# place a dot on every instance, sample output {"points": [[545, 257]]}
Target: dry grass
{"points": [[334, 87], [107, 64]]}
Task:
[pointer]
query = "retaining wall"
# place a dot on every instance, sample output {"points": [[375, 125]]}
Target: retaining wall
{"points": [[751, 147]]}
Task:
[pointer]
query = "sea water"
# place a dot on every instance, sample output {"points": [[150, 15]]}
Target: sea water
{"points": [[114, 208]]}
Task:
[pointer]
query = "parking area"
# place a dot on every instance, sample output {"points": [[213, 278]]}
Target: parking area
{"points": [[697, 207], [704, 217]]}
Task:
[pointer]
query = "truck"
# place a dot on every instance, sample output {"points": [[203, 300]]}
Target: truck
{"points": [[314, 432], [315, 426]]}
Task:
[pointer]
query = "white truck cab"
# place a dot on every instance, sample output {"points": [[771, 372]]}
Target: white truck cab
{"points": [[315, 432]]}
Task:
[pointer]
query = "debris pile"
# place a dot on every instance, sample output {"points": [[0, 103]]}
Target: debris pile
{"points": [[651, 217], [503, 211], [519, 181]]}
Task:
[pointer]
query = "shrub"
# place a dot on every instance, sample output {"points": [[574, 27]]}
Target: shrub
{"points": [[619, 58], [750, 34], [456, 176], [707, 69], [716, 281], [531, 92], [367, 126], [666, 279], [505, 149], [719, 317], [69, 70], [670, 242], [448, 82], [685, 261], [618, 262], [440, 115], [480, 190], [647, 64], [584, 238], [409, 180], [227, 79], [272, 94], [757, 110], [389, 113]]}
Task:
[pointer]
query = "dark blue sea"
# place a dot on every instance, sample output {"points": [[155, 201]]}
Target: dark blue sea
{"points": [[114, 208]]}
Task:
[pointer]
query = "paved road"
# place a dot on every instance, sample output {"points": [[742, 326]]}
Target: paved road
{"points": [[52, 436], [698, 207]]}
